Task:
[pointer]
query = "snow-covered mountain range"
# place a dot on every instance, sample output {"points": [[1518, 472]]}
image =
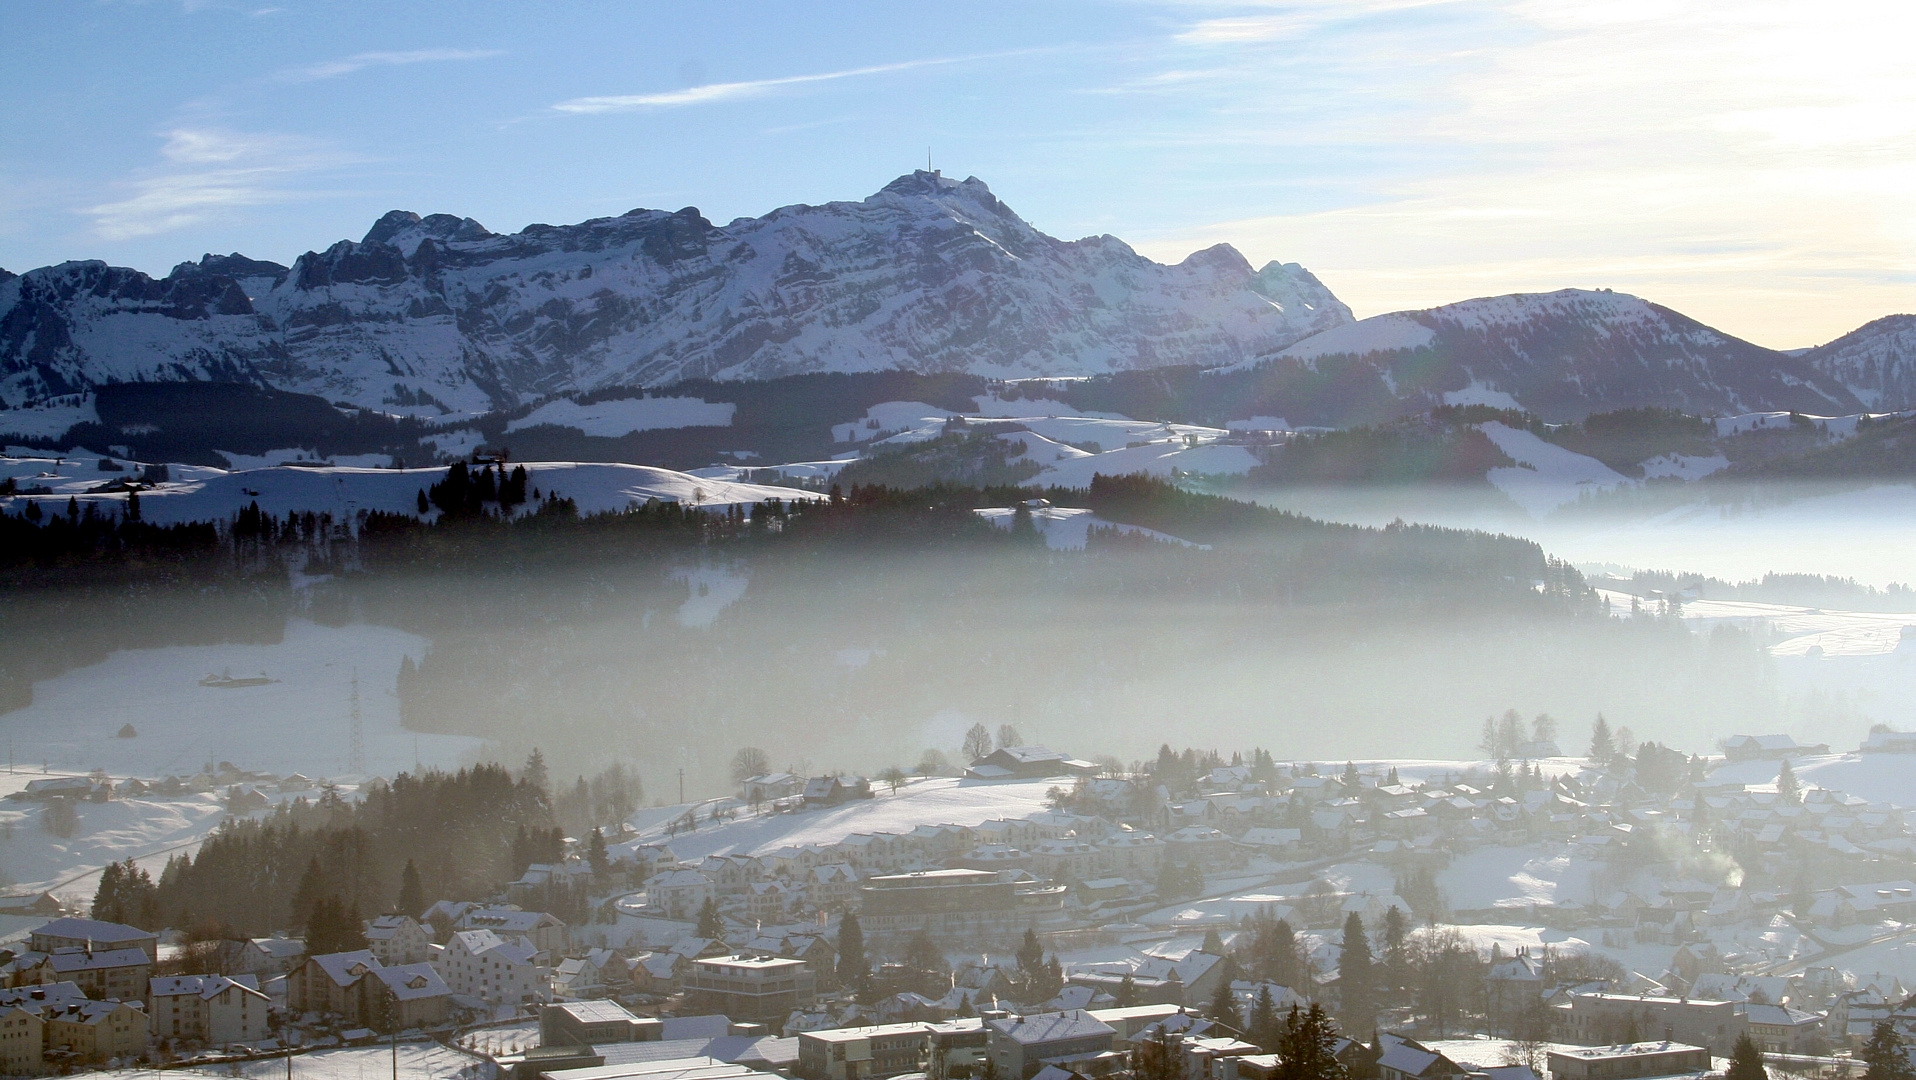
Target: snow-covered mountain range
{"points": [[438, 314], [1564, 355]]}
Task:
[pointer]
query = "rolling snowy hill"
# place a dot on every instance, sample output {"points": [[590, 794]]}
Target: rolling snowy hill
{"points": [[1562, 355], [436, 314], [1877, 361]]}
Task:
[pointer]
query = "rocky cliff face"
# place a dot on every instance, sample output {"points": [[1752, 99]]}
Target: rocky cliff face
{"points": [[424, 314]]}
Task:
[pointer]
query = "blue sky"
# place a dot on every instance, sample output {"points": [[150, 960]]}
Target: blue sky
{"points": [[1746, 162]]}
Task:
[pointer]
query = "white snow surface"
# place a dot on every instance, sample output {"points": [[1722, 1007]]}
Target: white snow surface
{"points": [[990, 405], [593, 304], [1481, 393], [611, 419], [1067, 528], [292, 455], [1834, 632], [1882, 778], [112, 831], [888, 418], [1379, 333], [936, 801], [47, 421], [1683, 466], [209, 494], [1494, 876], [296, 723], [1547, 476]]}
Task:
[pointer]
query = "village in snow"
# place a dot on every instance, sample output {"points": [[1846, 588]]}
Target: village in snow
{"points": [[1634, 912]]}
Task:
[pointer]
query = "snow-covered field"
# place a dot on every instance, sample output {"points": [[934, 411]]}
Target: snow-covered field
{"points": [[1889, 778], [1517, 877], [612, 419], [1805, 631], [201, 494], [938, 801], [145, 829], [296, 723], [1547, 476]]}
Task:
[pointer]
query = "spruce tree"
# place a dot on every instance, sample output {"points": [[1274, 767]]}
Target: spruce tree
{"points": [[106, 899], [1223, 1007], [711, 923], [1883, 1053], [596, 856], [1603, 746], [1396, 951], [1263, 1026], [412, 894], [1787, 788], [854, 970], [1355, 979], [1306, 1049], [1127, 992], [1746, 1061]]}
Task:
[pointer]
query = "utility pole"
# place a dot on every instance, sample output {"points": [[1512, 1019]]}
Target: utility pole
{"points": [[355, 732], [681, 786]]}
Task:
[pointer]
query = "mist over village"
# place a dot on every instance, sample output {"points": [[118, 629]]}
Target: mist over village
{"points": [[1165, 540]]}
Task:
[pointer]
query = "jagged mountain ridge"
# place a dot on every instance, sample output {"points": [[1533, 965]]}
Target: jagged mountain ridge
{"points": [[1562, 355], [930, 274], [1877, 361]]}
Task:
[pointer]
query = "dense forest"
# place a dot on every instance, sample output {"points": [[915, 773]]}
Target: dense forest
{"points": [[318, 866]]}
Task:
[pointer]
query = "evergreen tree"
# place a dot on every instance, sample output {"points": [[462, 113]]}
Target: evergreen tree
{"points": [[1883, 1053], [412, 894], [1263, 1026], [1127, 992], [596, 856], [1396, 952], [711, 923], [1355, 979], [1746, 1061], [1306, 1049], [1787, 788], [1603, 746], [106, 899], [1223, 1007], [306, 896], [853, 969], [1030, 957], [534, 775]]}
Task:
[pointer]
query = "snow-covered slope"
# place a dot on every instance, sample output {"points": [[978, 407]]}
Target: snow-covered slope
{"points": [[929, 274], [204, 494], [1877, 361], [1562, 355]]}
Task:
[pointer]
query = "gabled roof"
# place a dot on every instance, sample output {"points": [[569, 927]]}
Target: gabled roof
{"points": [[410, 982], [346, 968], [1050, 1027], [105, 933], [66, 960]]}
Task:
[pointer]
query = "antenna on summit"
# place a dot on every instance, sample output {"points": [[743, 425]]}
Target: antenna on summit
{"points": [[928, 167]]}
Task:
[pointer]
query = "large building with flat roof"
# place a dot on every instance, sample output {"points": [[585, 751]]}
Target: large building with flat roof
{"points": [[751, 988], [1628, 1061], [947, 905]]}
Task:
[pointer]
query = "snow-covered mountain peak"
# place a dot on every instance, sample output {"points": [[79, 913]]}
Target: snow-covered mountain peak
{"points": [[404, 230], [928, 274]]}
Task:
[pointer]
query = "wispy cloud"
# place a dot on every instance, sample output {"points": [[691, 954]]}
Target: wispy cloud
{"points": [[332, 69], [1506, 145], [734, 91], [207, 171]]}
